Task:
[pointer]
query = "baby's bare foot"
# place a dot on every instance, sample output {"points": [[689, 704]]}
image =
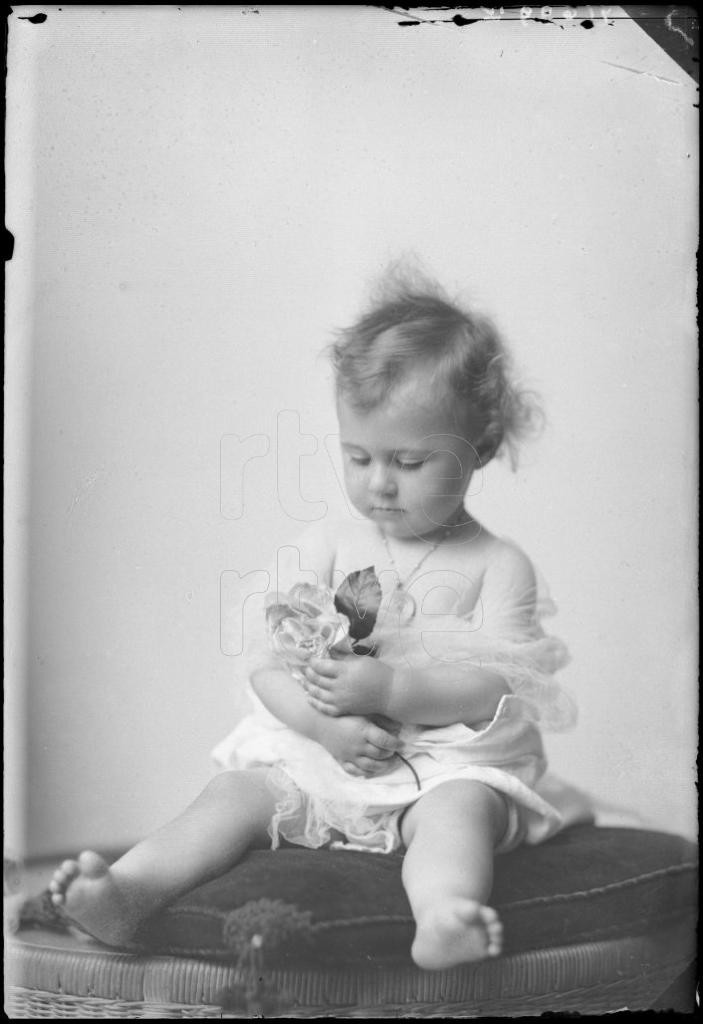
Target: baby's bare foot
{"points": [[456, 932], [93, 898]]}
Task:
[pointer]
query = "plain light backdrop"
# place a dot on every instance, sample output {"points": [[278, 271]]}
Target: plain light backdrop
{"points": [[199, 197]]}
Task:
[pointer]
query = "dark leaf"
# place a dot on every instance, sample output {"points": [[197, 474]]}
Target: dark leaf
{"points": [[359, 598], [364, 648]]}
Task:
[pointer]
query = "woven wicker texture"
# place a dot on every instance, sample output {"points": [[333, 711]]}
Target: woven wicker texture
{"points": [[58, 977], [25, 1005]]}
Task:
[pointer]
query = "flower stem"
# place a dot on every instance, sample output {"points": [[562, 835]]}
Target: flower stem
{"points": [[415, 776]]}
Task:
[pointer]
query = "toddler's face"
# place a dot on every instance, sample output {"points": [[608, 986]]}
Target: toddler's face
{"points": [[406, 467]]}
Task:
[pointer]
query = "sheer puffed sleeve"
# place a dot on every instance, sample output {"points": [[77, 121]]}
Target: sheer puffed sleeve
{"points": [[501, 631], [508, 637]]}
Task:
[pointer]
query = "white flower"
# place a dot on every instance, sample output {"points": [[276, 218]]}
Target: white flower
{"points": [[305, 624]]}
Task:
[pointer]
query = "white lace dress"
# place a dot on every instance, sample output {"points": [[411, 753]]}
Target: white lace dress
{"points": [[317, 801]]}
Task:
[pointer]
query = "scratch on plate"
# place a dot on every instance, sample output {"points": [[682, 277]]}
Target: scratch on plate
{"points": [[84, 489], [647, 74], [669, 21]]}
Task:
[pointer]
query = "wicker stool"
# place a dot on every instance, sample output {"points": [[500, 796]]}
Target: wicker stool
{"points": [[595, 920]]}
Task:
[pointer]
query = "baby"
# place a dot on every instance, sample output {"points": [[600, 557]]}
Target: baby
{"points": [[462, 680]]}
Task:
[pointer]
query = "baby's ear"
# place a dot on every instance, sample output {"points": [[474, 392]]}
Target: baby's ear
{"points": [[486, 449], [488, 444]]}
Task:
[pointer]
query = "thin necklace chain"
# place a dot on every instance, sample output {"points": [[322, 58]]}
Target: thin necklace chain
{"points": [[403, 584]]}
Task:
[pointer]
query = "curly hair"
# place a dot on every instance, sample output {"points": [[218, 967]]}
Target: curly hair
{"points": [[412, 326]]}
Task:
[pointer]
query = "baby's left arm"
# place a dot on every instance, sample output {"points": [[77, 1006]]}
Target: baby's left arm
{"points": [[439, 695], [443, 693]]}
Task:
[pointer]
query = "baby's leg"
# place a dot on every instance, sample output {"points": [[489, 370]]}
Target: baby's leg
{"points": [[229, 817], [451, 834]]}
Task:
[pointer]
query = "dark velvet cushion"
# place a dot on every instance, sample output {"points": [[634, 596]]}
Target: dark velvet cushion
{"points": [[343, 908]]}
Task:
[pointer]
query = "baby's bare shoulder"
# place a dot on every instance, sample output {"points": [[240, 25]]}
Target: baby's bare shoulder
{"points": [[507, 563], [496, 556]]}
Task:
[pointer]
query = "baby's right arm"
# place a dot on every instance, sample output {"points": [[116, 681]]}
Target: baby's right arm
{"points": [[361, 746]]}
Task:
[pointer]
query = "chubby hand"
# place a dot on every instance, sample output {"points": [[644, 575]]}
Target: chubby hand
{"points": [[351, 685], [362, 747]]}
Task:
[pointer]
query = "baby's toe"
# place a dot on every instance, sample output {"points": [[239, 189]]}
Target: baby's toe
{"points": [[489, 916], [92, 864], [61, 879], [494, 932], [66, 872], [63, 875]]}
